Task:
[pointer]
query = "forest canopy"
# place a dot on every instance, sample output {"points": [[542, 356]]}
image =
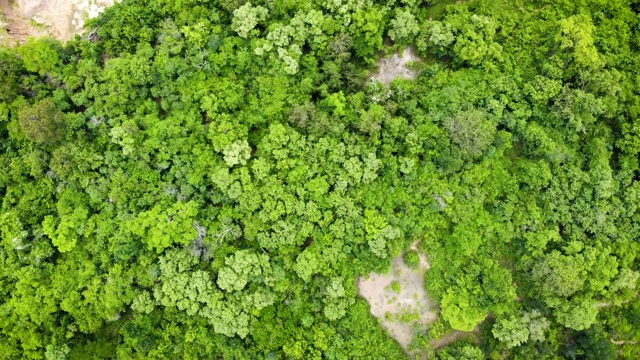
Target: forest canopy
{"points": [[207, 179]]}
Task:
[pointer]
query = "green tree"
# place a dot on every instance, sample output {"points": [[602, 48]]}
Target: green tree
{"points": [[515, 330], [65, 235], [559, 275], [578, 314], [241, 268], [576, 37], [54, 352], [404, 26], [246, 17], [367, 30], [461, 310], [41, 56], [471, 130], [162, 226], [11, 70], [42, 122], [461, 352], [412, 259]]}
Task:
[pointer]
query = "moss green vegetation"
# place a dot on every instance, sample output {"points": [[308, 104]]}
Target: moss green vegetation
{"points": [[207, 179], [412, 259], [396, 287]]}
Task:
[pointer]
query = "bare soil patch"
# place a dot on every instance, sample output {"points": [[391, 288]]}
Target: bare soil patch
{"points": [[397, 66], [61, 19], [399, 299]]}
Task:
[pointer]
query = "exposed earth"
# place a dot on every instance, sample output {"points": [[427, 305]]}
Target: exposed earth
{"points": [[61, 19], [397, 66], [404, 307]]}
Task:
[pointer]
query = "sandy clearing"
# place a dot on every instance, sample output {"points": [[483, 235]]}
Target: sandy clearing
{"points": [[61, 19], [411, 303], [397, 67]]}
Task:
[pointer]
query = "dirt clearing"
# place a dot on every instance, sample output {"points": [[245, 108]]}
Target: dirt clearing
{"points": [[397, 66], [399, 300], [61, 19]]}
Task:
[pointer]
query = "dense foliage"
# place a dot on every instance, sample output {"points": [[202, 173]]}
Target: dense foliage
{"points": [[208, 178]]}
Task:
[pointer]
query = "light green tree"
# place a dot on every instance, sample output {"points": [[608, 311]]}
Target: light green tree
{"points": [[241, 268], [65, 235], [576, 36], [238, 152], [246, 17], [404, 26], [471, 130], [559, 275], [163, 226], [41, 55], [461, 310], [514, 330], [54, 352], [579, 313]]}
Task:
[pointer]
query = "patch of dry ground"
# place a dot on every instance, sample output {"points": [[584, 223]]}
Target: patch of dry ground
{"points": [[397, 66], [61, 19], [399, 312], [410, 310]]}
